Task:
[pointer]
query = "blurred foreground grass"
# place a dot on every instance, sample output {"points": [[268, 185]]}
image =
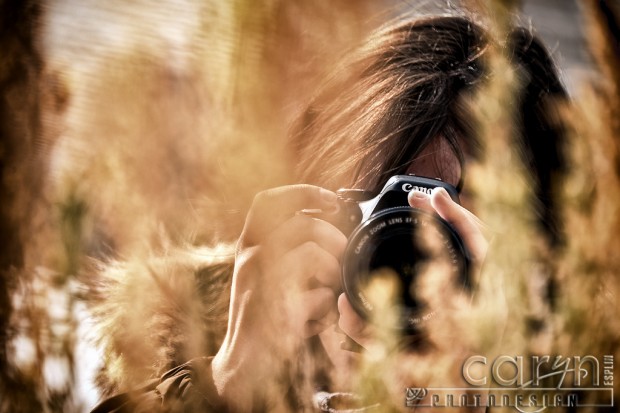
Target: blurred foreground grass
{"points": [[152, 132]]}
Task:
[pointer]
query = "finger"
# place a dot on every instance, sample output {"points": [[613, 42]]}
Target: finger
{"points": [[469, 227], [420, 200], [318, 310], [272, 207], [352, 324], [305, 263], [302, 228]]}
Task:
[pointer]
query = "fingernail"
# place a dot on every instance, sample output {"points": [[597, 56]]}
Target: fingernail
{"points": [[441, 192], [419, 194]]}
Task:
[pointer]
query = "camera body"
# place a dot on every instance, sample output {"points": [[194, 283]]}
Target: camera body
{"points": [[389, 240]]}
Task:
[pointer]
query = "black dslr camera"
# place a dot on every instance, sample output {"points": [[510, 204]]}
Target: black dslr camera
{"points": [[387, 236]]}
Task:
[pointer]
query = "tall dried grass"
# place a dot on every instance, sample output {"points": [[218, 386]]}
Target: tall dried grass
{"points": [[153, 132]]}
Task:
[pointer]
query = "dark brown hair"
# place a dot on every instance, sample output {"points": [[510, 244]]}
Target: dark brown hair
{"points": [[409, 85]]}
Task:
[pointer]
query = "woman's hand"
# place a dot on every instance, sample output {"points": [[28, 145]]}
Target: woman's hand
{"points": [[436, 359], [468, 226], [285, 283]]}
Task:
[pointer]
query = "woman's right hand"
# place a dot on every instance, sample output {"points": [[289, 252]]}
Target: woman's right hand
{"points": [[285, 286]]}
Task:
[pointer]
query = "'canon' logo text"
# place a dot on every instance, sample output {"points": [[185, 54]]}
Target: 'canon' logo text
{"points": [[410, 187]]}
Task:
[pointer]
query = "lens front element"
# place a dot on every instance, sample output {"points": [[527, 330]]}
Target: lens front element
{"points": [[390, 255]]}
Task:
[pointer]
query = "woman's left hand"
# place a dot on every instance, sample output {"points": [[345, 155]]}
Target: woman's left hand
{"points": [[466, 224], [444, 343]]}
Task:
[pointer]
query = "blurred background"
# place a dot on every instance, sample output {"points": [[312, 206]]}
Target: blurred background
{"points": [[132, 130]]}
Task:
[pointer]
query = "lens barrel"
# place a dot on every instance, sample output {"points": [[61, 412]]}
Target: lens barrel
{"points": [[386, 257]]}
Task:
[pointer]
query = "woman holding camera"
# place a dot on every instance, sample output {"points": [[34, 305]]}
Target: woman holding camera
{"points": [[400, 108]]}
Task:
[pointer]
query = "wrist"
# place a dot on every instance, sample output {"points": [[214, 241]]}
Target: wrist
{"points": [[229, 384], [246, 384]]}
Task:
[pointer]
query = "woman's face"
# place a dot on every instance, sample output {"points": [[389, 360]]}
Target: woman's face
{"points": [[437, 160]]}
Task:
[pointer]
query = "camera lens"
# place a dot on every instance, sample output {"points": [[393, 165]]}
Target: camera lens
{"points": [[388, 255]]}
